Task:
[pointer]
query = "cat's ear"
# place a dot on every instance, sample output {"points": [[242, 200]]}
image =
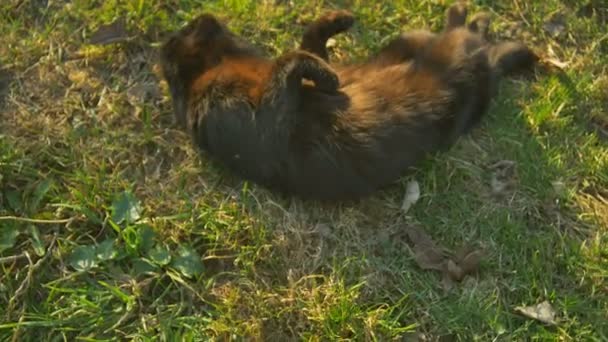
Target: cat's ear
{"points": [[456, 16], [201, 31]]}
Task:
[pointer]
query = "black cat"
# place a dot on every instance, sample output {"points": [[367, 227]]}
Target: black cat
{"points": [[300, 126]]}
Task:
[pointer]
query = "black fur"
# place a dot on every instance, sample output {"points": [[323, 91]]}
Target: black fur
{"points": [[300, 126]]}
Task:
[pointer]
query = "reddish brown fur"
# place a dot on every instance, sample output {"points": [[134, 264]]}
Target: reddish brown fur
{"points": [[252, 73]]}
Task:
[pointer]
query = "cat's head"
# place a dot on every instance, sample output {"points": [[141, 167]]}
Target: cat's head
{"points": [[193, 50]]}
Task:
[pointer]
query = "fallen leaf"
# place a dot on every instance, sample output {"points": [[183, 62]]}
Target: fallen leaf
{"points": [[331, 43], [428, 259], [454, 271], [412, 194], [503, 176], [556, 25], [142, 92], [470, 264], [427, 254], [498, 186], [114, 32], [542, 312]]}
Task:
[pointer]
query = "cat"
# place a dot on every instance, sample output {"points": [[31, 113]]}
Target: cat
{"points": [[299, 126]]}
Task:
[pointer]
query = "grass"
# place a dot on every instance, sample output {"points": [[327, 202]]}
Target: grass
{"points": [[112, 227]]}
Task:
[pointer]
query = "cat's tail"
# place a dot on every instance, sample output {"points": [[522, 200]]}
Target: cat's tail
{"points": [[510, 58]]}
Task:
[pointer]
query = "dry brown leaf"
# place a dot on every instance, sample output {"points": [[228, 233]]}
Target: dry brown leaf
{"points": [[542, 312], [429, 259], [454, 271], [556, 25], [427, 254], [142, 91], [418, 236], [503, 176], [114, 32], [469, 261], [465, 262]]}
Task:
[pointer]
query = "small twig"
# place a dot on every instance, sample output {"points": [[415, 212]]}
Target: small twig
{"points": [[12, 258], [22, 287], [40, 221], [30, 273]]}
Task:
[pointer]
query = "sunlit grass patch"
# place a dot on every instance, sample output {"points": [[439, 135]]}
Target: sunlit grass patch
{"points": [[113, 227]]}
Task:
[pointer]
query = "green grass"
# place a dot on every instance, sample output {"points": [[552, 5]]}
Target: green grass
{"points": [[112, 227]]}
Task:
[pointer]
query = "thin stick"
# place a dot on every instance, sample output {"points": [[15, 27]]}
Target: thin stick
{"points": [[9, 259], [30, 274], [30, 220]]}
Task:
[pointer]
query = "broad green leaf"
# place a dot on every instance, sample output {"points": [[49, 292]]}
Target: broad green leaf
{"points": [[188, 262], [8, 236], [143, 266], [41, 190], [83, 258], [37, 244], [146, 237], [126, 208], [105, 250], [14, 200], [160, 255]]}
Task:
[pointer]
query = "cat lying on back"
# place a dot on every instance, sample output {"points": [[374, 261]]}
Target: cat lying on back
{"points": [[297, 125]]}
